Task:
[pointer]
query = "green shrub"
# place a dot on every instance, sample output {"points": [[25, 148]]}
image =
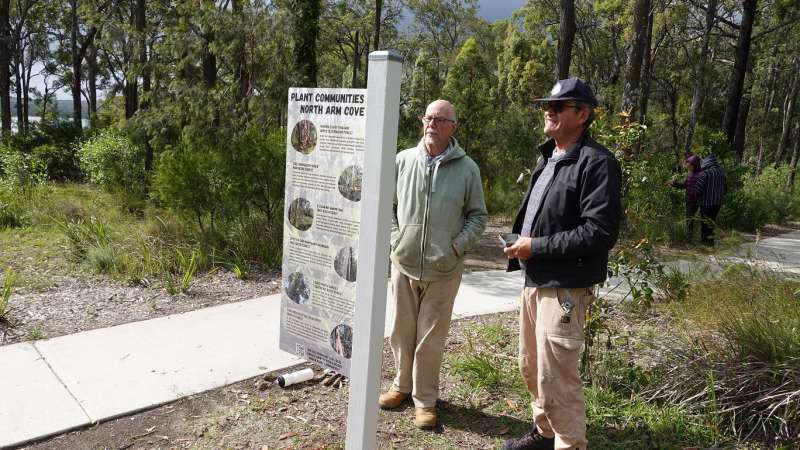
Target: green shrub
{"points": [[755, 201], [102, 259], [9, 217], [20, 170], [219, 182], [113, 162], [59, 162]]}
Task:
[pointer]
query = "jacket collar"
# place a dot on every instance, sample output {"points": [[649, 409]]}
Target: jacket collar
{"points": [[547, 148]]}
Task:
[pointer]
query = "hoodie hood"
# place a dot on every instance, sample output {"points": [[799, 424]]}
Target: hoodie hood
{"points": [[452, 152], [709, 161], [694, 161]]}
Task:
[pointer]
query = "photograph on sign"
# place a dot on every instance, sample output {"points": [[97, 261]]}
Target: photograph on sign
{"points": [[324, 171]]}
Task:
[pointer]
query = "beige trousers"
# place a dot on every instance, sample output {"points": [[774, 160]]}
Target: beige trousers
{"points": [[421, 321], [550, 343]]}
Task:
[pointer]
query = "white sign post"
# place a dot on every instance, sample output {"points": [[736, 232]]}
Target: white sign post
{"points": [[383, 114]]}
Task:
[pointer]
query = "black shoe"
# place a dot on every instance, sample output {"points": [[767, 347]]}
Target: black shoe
{"points": [[531, 440]]}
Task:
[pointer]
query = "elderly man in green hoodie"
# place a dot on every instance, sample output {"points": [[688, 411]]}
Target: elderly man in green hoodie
{"points": [[439, 213]]}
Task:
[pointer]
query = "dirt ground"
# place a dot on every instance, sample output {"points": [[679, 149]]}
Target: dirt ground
{"points": [[255, 414]]}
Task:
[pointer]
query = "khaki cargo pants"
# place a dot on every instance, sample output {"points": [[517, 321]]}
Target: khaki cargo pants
{"points": [[421, 321], [550, 343]]}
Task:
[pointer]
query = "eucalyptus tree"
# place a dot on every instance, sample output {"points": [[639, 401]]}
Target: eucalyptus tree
{"points": [[5, 75], [349, 28], [442, 27], [631, 94]]}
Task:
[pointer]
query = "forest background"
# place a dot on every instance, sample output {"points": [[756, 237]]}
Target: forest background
{"points": [[195, 94]]}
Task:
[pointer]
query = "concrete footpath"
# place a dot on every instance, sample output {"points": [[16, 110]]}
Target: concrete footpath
{"points": [[51, 386]]}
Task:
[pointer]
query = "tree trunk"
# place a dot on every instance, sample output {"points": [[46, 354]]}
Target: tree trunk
{"points": [[376, 36], [18, 92], [631, 94], [788, 112], [736, 82], [5, 75], [242, 75], [306, 29], [769, 95], [566, 36], [141, 10], [793, 164], [76, 66], [740, 137], [699, 76], [356, 62], [91, 60], [209, 61], [646, 70]]}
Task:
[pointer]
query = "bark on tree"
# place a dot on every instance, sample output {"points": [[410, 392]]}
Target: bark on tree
{"points": [[631, 93], [306, 29], [5, 74], [566, 36], [769, 95], [91, 62], [356, 61], [699, 76], [795, 151], [740, 136], [76, 65], [376, 36], [647, 69], [242, 75], [736, 82], [788, 112]]}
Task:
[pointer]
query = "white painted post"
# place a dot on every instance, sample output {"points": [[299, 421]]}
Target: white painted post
{"points": [[377, 192]]}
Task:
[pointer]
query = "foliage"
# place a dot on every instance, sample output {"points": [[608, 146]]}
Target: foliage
{"points": [[59, 162], [760, 199], [223, 182], [19, 170], [111, 161], [5, 294]]}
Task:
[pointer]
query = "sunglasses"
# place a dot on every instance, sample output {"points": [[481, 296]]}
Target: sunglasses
{"points": [[557, 107]]}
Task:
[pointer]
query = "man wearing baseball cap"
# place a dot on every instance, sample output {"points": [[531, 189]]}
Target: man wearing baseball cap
{"points": [[567, 223]]}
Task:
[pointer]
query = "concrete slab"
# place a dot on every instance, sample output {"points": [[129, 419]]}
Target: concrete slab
{"points": [[33, 402], [122, 369]]}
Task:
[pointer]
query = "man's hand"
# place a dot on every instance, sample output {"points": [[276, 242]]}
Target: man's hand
{"points": [[520, 249]]}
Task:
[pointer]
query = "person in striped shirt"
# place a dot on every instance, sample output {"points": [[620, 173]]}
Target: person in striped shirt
{"points": [[710, 189]]}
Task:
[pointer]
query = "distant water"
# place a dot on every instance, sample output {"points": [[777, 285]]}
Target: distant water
{"points": [[37, 119]]}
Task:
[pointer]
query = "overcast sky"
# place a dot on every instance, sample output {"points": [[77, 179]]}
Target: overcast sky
{"points": [[490, 10]]}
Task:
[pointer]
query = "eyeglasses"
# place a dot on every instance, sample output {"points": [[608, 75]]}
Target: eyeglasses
{"points": [[557, 107], [436, 120]]}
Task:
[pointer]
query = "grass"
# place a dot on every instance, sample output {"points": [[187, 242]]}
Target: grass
{"points": [[735, 354], [5, 294], [102, 237]]}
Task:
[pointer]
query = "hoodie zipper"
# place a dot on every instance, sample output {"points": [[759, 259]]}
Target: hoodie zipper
{"points": [[425, 223]]}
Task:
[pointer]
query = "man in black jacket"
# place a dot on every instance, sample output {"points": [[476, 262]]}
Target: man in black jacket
{"points": [[567, 223]]}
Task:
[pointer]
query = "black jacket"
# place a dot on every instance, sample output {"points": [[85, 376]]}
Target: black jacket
{"points": [[578, 219]]}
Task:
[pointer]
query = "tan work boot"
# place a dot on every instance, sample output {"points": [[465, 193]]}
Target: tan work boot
{"points": [[391, 399], [426, 418]]}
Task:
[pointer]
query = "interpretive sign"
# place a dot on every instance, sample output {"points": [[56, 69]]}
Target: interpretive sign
{"points": [[324, 170]]}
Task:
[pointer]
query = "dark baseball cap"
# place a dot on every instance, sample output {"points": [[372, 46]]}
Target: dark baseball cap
{"points": [[571, 89]]}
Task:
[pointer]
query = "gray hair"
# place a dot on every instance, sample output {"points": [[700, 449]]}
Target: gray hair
{"points": [[590, 119]]}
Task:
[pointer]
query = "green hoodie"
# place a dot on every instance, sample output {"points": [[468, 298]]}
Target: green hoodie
{"points": [[439, 212]]}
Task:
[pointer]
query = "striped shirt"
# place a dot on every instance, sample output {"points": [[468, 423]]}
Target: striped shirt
{"points": [[711, 184]]}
